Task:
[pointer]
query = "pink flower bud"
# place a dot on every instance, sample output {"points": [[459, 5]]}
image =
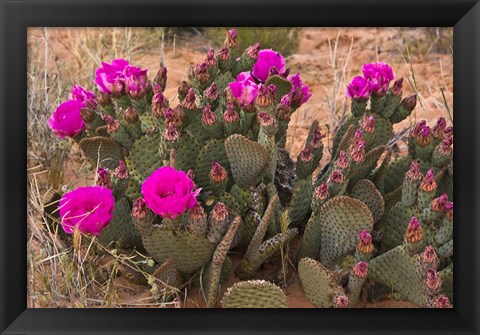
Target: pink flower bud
{"points": [[212, 91], [140, 209], [341, 301], [438, 204], [409, 102], [131, 115], [171, 133], [342, 161], [252, 51], [428, 183], [321, 192], [429, 256], [224, 54], [211, 60], [316, 142], [121, 172], [360, 269], [218, 173], [306, 154], [208, 117], [367, 123], [414, 172], [231, 114], [103, 178], [231, 39], [433, 282], [397, 87], [365, 244], [219, 212], [414, 232], [441, 302], [439, 128], [189, 102], [336, 177]]}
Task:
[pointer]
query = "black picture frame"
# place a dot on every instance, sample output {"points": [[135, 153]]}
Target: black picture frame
{"points": [[17, 15]]}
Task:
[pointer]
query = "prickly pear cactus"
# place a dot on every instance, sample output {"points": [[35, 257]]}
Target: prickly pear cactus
{"points": [[192, 180]]}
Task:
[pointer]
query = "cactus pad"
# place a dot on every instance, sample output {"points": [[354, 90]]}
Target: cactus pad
{"points": [[102, 150], [366, 192], [121, 231], [319, 284], [254, 294], [341, 219], [283, 85], [190, 251], [248, 159]]}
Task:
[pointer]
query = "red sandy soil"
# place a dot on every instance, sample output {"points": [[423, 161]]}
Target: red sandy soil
{"points": [[313, 58]]}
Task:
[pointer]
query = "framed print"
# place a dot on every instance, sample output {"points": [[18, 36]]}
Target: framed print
{"points": [[239, 167]]}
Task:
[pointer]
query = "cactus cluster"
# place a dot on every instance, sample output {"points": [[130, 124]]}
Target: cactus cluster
{"points": [[195, 180]]}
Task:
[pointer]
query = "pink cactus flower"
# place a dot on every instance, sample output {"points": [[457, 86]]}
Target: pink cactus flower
{"points": [[359, 89], [244, 89], [299, 93], [110, 78], [84, 96], [67, 120], [168, 192], [135, 81], [379, 75], [88, 209], [268, 59]]}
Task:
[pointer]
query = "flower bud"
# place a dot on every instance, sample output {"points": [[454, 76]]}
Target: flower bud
{"points": [[438, 204], [441, 302], [341, 301], [212, 91], [197, 212], [336, 177], [200, 72], [171, 133], [316, 142], [224, 54], [429, 256], [208, 116], [367, 123], [321, 192], [190, 175], [231, 114], [140, 209], [218, 173], [231, 39], [103, 99], [183, 89], [365, 244], [306, 154], [158, 104], [428, 183], [103, 178], [112, 124], [211, 60], [448, 208], [265, 95], [445, 148], [189, 102], [161, 77], [252, 51], [439, 128], [121, 172], [342, 161], [397, 87], [284, 111], [409, 102], [268, 123], [219, 212], [414, 232], [414, 172], [433, 282], [131, 116], [360, 269]]}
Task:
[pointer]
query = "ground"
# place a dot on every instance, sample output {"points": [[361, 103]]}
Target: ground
{"points": [[327, 59]]}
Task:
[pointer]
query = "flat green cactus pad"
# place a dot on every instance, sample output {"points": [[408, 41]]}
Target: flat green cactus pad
{"points": [[341, 219], [144, 158], [383, 131], [319, 284], [396, 172], [102, 150], [190, 251], [186, 152], [121, 231], [254, 294], [447, 282], [213, 151], [394, 225], [248, 159], [366, 192], [400, 271], [300, 203]]}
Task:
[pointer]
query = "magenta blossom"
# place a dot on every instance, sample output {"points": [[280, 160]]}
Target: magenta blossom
{"points": [[244, 89], [299, 93], [83, 95], [87, 208], [379, 75], [66, 120], [359, 89], [169, 192], [110, 78], [268, 59], [135, 81]]}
